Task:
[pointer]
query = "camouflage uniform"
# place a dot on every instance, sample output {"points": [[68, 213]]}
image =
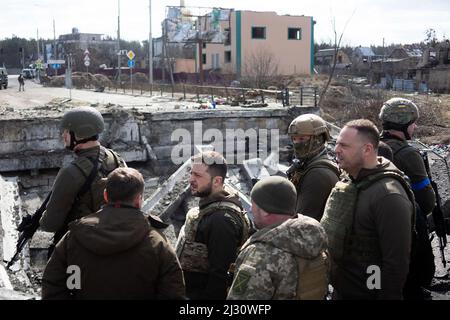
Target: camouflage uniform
{"points": [[270, 262]]}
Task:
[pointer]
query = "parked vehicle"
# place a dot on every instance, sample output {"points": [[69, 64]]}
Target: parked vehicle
{"points": [[28, 73], [3, 78]]}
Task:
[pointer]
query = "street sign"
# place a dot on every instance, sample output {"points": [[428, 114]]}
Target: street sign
{"points": [[86, 58], [86, 52], [56, 61], [131, 63], [122, 53], [130, 55], [87, 63], [55, 65]]}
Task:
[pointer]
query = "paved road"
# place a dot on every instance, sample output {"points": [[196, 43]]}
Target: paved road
{"points": [[37, 95]]}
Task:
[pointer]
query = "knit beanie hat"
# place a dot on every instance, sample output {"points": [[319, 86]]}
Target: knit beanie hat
{"points": [[275, 195]]}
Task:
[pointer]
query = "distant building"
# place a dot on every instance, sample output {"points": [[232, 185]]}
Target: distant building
{"points": [[405, 53], [363, 54], [84, 40], [325, 60], [286, 41]]}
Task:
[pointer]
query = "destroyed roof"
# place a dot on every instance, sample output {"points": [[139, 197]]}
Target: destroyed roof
{"points": [[364, 51], [414, 53]]}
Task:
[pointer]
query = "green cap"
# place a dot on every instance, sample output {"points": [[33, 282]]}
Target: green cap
{"points": [[276, 195]]}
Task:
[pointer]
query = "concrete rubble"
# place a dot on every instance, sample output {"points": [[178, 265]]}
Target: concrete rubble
{"points": [[31, 154]]}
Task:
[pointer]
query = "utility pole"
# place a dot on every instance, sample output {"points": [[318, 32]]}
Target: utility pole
{"points": [[150, 46], [37, 43], [38, 56], [118, 43], [163, 69], [54, 46]]}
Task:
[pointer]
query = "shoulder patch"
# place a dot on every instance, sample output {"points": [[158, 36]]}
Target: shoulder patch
{"points": [[241, 282]]}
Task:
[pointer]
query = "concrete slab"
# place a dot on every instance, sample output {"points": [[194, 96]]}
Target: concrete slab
{"points": [[9, 294], [254, 170], [10, 208]]}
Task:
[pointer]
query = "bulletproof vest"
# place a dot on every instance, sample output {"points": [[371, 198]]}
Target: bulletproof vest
{"points": [[339, 215], [396, 145], [312, 277], [322, 162], [193, 255], [90, 197]]}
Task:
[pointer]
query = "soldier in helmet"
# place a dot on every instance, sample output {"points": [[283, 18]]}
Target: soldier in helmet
{"points": [[399, 117], [312, 172], [78, 187], [286, 258]]}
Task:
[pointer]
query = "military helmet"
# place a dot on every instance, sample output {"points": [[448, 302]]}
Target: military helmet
{"points": [[399, 111], [309, 125], [85, 122]]}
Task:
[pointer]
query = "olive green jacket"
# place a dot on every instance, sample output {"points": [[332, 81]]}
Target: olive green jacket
{"points": [[384, 211]]}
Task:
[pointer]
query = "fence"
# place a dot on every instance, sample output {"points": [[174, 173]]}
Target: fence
{"points": [[184, 91], [300, 96]]}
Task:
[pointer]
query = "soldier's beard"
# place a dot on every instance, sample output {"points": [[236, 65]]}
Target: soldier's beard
{"points": [[203, 193]]}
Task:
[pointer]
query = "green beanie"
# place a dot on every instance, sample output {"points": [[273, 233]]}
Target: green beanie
{"points": [[275, 195]]}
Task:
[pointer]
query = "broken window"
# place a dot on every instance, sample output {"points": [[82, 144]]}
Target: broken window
{"points": [[294, 34], [258, 32], [228, 36], [227, 56]]}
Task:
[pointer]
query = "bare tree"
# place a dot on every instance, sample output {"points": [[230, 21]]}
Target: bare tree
{"points": [[431, 39], [261, 67], [336, 47]]}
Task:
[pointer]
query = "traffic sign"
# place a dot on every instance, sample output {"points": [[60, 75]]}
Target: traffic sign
{"points": [[87, 63], [56, 61], [130, 55], [56, 66], [86, 52], [131, 63], [86, 58]]}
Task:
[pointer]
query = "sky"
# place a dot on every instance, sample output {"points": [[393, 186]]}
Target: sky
{"points": [[368, 21]]}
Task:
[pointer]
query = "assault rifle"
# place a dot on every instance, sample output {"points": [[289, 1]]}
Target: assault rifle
{"points": [[27, 228], [439, 221]]}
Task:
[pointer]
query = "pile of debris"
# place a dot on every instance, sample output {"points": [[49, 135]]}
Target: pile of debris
{"points": [[81, 80]]}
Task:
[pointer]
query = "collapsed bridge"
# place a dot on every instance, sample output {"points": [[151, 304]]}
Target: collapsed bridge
{"points": [[31, 154]]}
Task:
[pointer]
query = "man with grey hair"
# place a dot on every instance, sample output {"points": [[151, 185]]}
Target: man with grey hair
{"points": [[286, 258]]}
